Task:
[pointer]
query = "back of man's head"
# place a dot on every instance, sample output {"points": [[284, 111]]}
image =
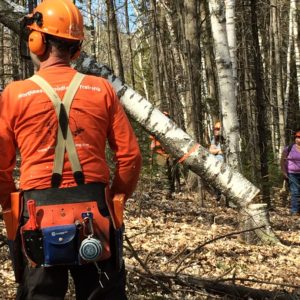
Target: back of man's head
{"points": [[57, 22]]}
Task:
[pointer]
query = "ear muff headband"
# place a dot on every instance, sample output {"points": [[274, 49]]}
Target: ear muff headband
{"points": [[37, 43]]}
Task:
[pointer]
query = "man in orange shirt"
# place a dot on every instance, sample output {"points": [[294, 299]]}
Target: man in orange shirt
{"points": [[170, 164], [60, 121]]}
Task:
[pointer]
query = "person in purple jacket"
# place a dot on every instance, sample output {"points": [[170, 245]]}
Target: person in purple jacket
{"points": [[290, 166]]}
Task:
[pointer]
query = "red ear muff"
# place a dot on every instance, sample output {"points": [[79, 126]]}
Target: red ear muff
{"points": [[37, 43]]}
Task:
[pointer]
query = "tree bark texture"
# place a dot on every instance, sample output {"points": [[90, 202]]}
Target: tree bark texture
{"points": [[260, 104], [114, 38], [226, 83]]}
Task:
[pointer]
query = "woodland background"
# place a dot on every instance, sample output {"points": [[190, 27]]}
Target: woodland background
{"points": [[202, 61]]}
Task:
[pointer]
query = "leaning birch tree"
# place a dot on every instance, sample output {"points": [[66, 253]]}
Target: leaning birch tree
{"points": [[178, 143], [226, 83]]}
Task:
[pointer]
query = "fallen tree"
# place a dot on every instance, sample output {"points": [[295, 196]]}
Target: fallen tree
{"points": [[176, 142], [215, 287]]}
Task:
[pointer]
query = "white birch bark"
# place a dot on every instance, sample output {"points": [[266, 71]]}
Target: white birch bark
{"points": [[226, 83], [296, 44], [231, 36], [279, 91], [288, 63]]}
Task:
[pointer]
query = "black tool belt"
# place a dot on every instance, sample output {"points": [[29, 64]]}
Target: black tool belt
{"points": [[76, 194], [66, 226]]}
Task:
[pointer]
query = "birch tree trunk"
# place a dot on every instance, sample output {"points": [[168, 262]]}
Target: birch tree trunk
{"points": [[279, 89], [296, 44], [288, 63], [226, 84], [231, 35]]}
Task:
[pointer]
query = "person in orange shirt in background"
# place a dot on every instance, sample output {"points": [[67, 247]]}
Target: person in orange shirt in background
{"points": [[215, 149], [60, 121], [167, 162]]}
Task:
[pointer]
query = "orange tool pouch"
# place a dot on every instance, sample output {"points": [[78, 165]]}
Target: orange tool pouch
{"points": [[67, 226], [116, 210], [11, 217]]}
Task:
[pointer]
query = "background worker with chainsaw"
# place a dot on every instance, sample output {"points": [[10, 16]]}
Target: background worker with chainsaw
{"points": [[290, 167], [167, 162], [60, 121]]}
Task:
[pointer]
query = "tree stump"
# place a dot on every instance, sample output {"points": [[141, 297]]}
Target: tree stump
{"points": [[254, 216]]}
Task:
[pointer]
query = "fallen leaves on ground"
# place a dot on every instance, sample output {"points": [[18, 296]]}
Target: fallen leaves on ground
{"points": [[163, 231]]}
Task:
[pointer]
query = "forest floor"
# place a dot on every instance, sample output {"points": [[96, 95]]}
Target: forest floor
{"points": [[181, 235]]}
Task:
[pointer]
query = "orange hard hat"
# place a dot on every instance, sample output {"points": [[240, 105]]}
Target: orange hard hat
{"points": [[59, 18], [217, 125]]}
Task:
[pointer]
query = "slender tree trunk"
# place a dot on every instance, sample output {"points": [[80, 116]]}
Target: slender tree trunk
{"points": [[279, 88], [128, 32], [114, 38], [156, 71], [179, 85], [165, 101], [296, 43], [210, 66], [141, 36], [272, 112], [91, 27], [226, 84], [247, 95], [193, 62], [231, 35], [288, 63], [261, 106]]}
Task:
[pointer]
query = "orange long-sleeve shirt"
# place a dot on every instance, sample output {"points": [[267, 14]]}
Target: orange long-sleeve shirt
{"points": [[28, 122]]}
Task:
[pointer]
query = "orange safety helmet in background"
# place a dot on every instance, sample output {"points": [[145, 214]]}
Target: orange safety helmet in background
{"points": [[60, 18], [217, 125]]}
